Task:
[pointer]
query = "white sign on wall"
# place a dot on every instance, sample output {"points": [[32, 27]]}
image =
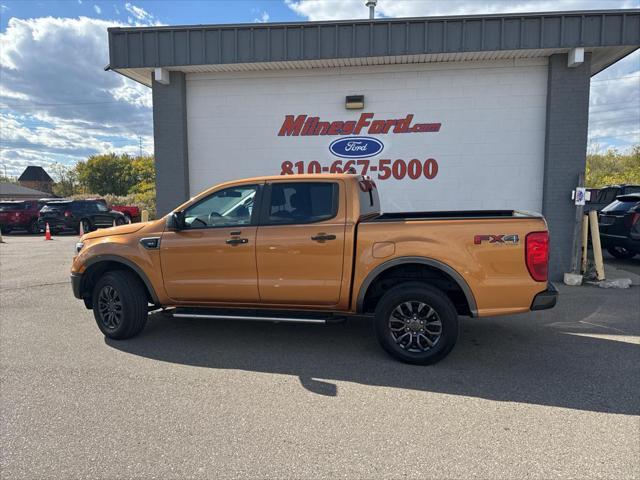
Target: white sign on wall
{"points": [[433, 136]]}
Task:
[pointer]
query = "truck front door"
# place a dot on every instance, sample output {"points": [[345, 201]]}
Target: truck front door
{"points": [[300, 243], [213, 259]]}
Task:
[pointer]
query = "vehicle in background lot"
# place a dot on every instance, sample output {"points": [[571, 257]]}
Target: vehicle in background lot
{"points": [[619, 225], [64, 215], [131, 212], [315, 248], [19, 215], [606, 195]]}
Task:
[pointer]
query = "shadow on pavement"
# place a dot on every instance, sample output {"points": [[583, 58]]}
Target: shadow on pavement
{"points": [[532, 358]]}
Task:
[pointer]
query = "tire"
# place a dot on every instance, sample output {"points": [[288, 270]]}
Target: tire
{"points": [[120, 221], [620, 252], [420, 325], [86, 225], [127, 218], [123, 289], [34, 228]]}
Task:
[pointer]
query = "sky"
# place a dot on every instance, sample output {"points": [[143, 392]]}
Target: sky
{"points": [[58, 105]]}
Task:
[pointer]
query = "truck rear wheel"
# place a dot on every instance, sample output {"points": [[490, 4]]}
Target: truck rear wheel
{"points": [[416, 323], [120, 305]]}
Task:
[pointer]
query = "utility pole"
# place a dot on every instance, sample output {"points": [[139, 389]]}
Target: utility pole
{"points": [[140, 144]]}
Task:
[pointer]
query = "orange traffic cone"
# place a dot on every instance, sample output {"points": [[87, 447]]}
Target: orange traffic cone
{"points": [[81, 229], [47, 232]]}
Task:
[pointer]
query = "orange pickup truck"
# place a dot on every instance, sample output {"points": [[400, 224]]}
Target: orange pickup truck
{"points": [[315, 248]]}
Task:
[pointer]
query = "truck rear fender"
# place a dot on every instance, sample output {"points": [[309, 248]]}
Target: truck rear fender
{"points": [[424, 269]]}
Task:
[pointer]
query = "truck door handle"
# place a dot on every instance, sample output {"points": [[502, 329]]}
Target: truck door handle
{"points": [[236, 241], [322, 237]]}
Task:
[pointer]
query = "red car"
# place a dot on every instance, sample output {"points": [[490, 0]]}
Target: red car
{"points": [[20, 215], [131, 212]]}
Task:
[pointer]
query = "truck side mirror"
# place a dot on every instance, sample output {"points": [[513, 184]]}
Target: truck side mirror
{"points": [[176, 221]]}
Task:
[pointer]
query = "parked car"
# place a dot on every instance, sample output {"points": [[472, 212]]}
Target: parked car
{"points": [[130, 212], [606, 195], [19, 215], [315, 248], [619, 224], [69, 214]]}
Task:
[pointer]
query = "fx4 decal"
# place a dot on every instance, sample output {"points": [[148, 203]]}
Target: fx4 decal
{"points": [[511, 239]]}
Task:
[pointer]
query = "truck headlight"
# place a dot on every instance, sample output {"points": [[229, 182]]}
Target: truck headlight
{"points": [[79, 246]]}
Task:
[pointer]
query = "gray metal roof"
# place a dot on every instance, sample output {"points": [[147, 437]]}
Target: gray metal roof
{"points": [[608, 34], [12, 189]]}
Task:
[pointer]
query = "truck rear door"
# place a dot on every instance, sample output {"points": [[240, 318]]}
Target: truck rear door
{"points": [[300, 242]]}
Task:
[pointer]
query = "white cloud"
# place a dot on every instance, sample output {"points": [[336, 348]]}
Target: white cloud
{"points": [[263, 18], [4, 8], [614, 107], [97, 9], [138, 12], [65, 110], [353, 9]]}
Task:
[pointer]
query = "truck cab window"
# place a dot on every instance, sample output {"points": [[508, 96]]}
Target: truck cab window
{"points": [[226, 208], [302, 202]]}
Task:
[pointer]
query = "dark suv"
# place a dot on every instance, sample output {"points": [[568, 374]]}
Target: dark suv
{"points": [[69, 214], [619, 225], [604, 196]]}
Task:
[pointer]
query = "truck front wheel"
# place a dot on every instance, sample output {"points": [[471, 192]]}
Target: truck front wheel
{"points": [[120, 304], [416, 323]]}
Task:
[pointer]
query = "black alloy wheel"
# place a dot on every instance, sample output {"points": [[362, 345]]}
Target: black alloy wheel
{"points": [[416, 323]]}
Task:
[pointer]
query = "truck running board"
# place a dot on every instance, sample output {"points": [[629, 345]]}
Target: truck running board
{"points": [[258, 315]]}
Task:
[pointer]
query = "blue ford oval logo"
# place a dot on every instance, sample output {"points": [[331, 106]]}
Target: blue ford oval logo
{"points": [[356, 147]]}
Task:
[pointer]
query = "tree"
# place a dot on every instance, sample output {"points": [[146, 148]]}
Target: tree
{"points": [[144, 173], [7, 179], [107, 173], [66, 179], [612, 167]]}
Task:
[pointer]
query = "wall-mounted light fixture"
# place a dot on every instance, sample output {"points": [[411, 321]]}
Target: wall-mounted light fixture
{"points": [[354, 102]]}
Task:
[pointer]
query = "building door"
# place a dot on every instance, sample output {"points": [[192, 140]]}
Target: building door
{"points": [[213, 259], [300, 244]]}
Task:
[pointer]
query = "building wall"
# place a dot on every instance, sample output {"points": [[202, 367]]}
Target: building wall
{"points": [[35, 185], [489, 148]]}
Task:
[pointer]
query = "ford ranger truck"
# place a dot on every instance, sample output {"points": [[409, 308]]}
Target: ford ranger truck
{"points": [[316, 249]]}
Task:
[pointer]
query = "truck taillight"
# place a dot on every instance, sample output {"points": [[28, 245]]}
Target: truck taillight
{"points": [[68, 213], [537, 255]]}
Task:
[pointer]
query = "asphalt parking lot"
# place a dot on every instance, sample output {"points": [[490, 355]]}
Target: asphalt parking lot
{"points": [[540, 395]]}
